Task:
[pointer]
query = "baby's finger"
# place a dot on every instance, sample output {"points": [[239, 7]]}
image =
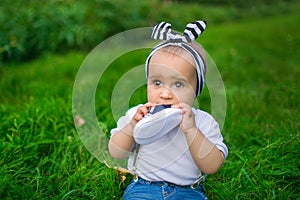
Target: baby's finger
{"points": [[143, 110], [186, 109], [150, 104]]}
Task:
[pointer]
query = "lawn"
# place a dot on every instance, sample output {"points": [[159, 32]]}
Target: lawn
{"points": [[43, 157]]}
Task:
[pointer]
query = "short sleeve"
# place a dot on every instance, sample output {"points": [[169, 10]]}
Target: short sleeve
{"points": [[210, 128], [124, 120]]}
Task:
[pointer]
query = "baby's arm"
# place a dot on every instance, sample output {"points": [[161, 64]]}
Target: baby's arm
{"points": [[122, 142], [206, 155]]}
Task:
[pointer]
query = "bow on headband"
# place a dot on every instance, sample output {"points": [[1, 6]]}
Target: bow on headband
{"points": [[163, 31]]}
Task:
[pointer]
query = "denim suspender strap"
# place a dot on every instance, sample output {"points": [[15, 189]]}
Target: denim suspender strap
{"points": [[137, 149], [200, 180]]}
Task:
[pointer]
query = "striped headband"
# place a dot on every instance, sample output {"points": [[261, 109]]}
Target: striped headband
{"points": [[163, 31]]}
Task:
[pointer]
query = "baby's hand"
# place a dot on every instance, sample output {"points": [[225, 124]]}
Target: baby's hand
{"points": [[141, 112], [188, 117]]}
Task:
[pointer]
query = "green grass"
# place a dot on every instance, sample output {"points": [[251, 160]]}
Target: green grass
{"points": [[42, 156]]}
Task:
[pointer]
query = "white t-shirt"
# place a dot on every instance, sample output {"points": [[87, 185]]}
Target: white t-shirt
{"points": [[169, 158]]}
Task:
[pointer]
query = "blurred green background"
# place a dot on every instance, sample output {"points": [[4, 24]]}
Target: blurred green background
{"points": [[255, 45], [33, 27]]}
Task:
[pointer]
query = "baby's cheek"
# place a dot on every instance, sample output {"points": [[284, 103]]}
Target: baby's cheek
{"points": [[185, 97], [150, 98], [151, 94]]}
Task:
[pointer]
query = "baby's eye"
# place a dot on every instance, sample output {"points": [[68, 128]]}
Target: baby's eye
{"points": [[178, 84], [156, 82]]}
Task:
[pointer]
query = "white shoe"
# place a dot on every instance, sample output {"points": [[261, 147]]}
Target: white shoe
{"points": [[159, 121]]}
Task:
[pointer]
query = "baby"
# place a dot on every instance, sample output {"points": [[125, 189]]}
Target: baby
{"points": [[173, 165]]}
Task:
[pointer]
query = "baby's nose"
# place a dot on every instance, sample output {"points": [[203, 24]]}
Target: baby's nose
{"points": [[166, 93]]}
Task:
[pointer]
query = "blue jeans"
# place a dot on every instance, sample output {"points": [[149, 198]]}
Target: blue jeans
{"points": [[146, 190]]}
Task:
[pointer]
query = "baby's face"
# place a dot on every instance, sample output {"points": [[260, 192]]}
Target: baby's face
{"points": [[172, 78]]}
